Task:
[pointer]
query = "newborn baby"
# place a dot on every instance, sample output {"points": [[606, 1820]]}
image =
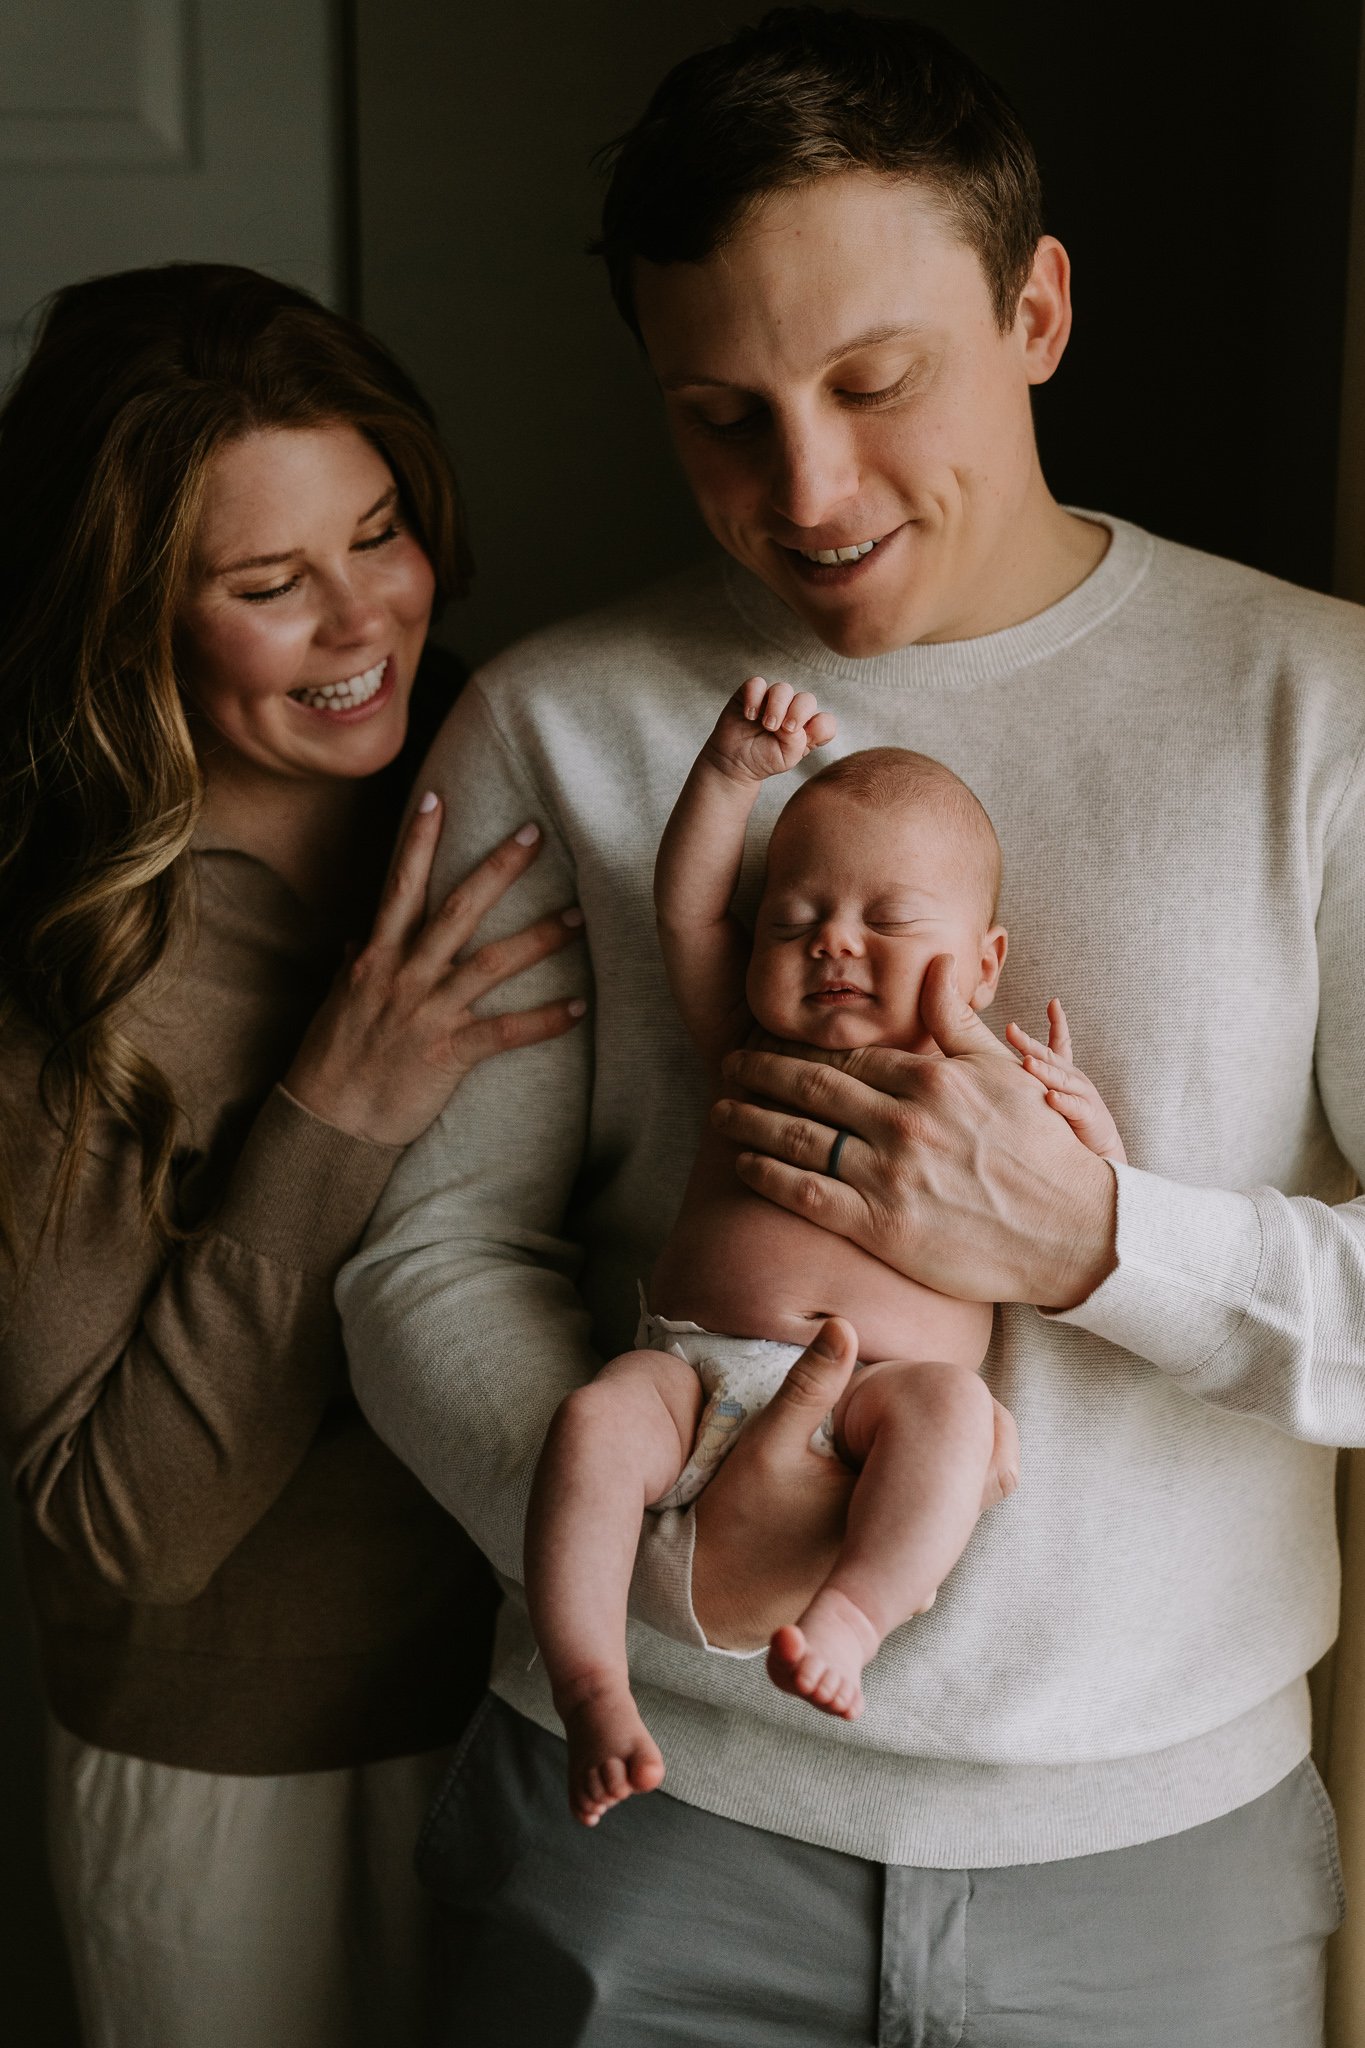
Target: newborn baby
{"points": [[876, 866]]}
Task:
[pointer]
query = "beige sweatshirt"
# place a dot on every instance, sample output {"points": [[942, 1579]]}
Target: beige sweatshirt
{"points": [[229, 1571], [1172, 758]]}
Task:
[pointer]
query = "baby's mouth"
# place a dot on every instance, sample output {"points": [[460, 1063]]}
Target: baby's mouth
{"points": [[835, 993]]}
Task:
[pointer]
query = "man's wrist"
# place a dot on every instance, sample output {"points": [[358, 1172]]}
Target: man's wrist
{"points": [[1088, 1252]]}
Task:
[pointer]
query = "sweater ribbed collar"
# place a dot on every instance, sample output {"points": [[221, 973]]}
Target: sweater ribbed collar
{"points": [[949, 663]]}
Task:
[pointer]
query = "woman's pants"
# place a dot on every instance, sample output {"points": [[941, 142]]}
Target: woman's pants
{"points": [[230, 1912]]}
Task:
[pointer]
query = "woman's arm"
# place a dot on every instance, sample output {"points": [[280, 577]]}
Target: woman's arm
{"points": [[763, 730], [155, 1403]]}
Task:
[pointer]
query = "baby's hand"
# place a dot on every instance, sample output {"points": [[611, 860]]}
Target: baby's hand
{"points": [[767, 728], [1068, 1090]]}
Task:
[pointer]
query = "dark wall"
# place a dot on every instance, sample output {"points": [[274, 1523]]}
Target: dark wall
{"points": [[1197, 166]]}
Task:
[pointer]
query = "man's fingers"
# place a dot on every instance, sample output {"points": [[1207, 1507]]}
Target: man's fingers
{"points": [[791, 1138], [500, 959], [403, 904], [487, 1036], [830, 1203], [452, 925], [951, 1022], [844, 1101], [814, 1383]]}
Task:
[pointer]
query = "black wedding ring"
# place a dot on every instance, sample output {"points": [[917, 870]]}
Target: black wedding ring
{"points": [[841, 1138]]}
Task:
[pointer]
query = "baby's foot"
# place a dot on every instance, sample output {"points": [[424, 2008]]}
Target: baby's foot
{"points": [[822, 1660], [611, 1753]]}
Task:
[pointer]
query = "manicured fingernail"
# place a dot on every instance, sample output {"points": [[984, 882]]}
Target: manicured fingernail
{"points": [[429, 801], [572, 916], [578, 1008], [527, 836]]}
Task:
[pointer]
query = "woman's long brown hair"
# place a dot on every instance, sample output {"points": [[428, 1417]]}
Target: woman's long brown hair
{"points": [[135, 381]]}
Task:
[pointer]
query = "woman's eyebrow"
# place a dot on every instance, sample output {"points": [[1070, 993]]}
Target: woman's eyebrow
{"points": [[380, 504]]}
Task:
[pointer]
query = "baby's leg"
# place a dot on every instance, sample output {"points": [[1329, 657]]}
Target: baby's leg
{"points": [[614, 1446], [933, 1449]]}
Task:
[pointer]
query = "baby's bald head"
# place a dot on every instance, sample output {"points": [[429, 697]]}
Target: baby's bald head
{"points": [[897, 779]]}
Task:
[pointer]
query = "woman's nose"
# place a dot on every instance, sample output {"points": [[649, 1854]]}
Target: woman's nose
{"points": [[352, 616]]}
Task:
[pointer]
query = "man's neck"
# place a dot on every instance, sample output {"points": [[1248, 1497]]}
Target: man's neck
{"points": [[1049, 553]]}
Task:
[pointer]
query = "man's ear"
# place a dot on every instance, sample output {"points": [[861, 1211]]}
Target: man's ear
{"points": [[1042, 321], [994, 947]]}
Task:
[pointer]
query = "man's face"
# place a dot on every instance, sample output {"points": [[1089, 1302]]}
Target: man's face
{"points": [[834, 377]]}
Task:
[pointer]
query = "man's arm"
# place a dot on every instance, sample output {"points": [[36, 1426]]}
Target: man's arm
{"points": [[763, 730], [463, 1321], [1254, 1301]]}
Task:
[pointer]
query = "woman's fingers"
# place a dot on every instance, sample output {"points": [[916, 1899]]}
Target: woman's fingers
{"points": [[451, 926], [484, 1037], [403, 905], [500, 959]]}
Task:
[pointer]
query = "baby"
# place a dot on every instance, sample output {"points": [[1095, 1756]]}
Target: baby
{"points": [[876, 866]]}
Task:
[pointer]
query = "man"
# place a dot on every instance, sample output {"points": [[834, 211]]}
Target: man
{"points": [[1078, 1808]]}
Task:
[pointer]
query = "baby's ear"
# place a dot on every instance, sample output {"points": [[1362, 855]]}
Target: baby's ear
{"points": [[994, 947]]}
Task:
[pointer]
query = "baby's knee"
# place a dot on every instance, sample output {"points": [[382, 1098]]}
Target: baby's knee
{"points": [[919, 1396]]}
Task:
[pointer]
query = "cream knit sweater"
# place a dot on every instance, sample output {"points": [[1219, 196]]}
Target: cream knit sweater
{"points": [[1172, 757]]}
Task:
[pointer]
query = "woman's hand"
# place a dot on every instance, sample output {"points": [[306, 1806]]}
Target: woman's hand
{"points": [[955, 1172], [397, 1034], [770, 1523]]}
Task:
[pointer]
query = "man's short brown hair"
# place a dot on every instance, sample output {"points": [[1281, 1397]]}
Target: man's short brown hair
{"points": [[803, 93]]}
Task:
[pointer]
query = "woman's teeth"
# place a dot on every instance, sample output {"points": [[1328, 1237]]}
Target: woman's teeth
{"points": [[347, 696], [829, 556]]}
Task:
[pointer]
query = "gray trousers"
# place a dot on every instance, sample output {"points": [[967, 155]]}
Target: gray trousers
{"points": [[666, 1926]]}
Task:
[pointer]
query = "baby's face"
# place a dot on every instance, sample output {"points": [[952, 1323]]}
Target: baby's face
{"points": [[858, 900]]}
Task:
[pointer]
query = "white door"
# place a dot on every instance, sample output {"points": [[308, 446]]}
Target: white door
{"points": [[137, 131]]}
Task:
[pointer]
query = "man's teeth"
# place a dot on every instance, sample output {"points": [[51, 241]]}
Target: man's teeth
{"points": [[829, 556], [344, 696]]}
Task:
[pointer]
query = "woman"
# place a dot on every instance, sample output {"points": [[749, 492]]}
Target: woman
{"points": [[226, 518]]}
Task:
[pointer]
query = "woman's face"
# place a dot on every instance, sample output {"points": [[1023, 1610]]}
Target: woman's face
{"points": [[308, 604]]}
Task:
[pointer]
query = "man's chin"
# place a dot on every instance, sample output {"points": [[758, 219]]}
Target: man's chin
{"points": [[858, 631]]}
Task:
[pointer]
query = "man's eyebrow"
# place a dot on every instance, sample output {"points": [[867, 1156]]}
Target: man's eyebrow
{"points": [[289, 555], [871, 337]]}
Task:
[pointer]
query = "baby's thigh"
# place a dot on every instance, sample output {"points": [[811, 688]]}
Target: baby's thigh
{"points": [[649, 1395], [925, 1403]]}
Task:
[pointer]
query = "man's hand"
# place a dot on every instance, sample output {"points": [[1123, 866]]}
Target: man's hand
{"points": [[770, 1523], [765, 729], [956, 1171]]}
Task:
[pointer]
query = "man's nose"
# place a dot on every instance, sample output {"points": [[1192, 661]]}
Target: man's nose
{"points": [[815, 469]]}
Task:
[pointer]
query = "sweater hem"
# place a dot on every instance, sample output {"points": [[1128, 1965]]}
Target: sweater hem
{"points": [[938, 1814]]}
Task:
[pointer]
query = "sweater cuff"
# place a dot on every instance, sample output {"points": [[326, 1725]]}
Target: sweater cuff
{"points": [[302, 1190], [1187, 1265], [661, 1589]]}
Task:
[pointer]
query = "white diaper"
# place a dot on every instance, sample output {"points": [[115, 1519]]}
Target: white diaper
{"points": [[740, 1375]]}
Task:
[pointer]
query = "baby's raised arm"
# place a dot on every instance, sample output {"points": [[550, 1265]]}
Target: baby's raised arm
{"points": [[765, 729]]}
